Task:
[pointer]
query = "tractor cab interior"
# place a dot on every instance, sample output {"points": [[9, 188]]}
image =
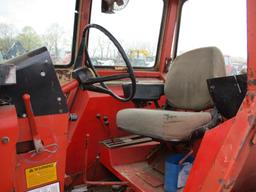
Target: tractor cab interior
{"points": [[141, 110]]}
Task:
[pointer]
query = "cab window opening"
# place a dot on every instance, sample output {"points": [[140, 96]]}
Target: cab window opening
{"points": [[138, 34], [203, 24], [27, 25]]}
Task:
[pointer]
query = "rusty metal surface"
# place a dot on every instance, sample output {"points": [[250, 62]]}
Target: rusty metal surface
{"points": [[134, 175], [151, 177], [251, 41], [64, 75]]}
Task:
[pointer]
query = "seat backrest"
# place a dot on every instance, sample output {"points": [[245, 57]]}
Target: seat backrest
{"points": [[186, 86]]}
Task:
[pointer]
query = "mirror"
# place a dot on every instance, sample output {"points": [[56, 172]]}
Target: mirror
{"points": [[110, 6]]}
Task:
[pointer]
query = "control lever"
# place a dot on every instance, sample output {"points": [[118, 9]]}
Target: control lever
{"points": [[32, 124]]}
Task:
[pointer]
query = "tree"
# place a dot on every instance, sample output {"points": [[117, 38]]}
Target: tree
{"points": [[29, 39], [7, 33], [101, 46], [52, 39]]}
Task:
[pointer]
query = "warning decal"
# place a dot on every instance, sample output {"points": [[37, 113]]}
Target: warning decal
{"points": [[55, 187], [41, 174]]}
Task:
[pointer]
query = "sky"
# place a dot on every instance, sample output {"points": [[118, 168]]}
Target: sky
{"points": [[220, 23], [39, 14]]}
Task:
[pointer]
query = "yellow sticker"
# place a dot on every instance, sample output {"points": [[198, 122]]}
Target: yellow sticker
{"points": [[41, 174]]}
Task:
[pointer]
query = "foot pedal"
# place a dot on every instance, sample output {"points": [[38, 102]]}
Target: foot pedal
{"points": [[125, 141]]}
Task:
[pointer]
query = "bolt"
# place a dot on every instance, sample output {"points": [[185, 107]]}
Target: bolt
{"points": [[105, 118], [106, 123], [5, 140], [73, 117], [42, 73]]}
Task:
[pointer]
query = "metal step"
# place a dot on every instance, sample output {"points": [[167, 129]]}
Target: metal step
{"points": [[125, 141]]}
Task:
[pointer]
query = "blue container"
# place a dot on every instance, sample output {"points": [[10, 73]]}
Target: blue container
{"points": [[172, 169]]}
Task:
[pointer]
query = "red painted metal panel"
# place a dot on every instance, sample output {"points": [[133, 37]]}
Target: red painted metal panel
{"points": [[70, 86], [87, 105], [8, 138], [227, 158], [246, 179], [126, 155], [210, 145], [168, 33], [127, 162], [53, 132], [251, 35]]}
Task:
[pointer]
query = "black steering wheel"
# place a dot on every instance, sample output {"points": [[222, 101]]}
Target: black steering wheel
{"points": [[88, 76]]}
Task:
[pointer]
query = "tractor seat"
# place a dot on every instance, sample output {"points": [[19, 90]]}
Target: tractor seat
{"points": [[185, 89]]}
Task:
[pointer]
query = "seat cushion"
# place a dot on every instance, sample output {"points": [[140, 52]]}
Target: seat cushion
{"points": [[162, 124]]}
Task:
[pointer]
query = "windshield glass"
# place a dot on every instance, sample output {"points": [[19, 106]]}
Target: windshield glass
{"points": [[26, 25], [134, 27], [216, 23]]}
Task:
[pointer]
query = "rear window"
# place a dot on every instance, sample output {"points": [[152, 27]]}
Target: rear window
{"points": [[216, 23], [26, 25], [136, 27]]}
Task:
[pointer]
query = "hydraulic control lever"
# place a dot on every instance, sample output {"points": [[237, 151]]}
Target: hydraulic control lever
{"points": [[39, 147]]}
